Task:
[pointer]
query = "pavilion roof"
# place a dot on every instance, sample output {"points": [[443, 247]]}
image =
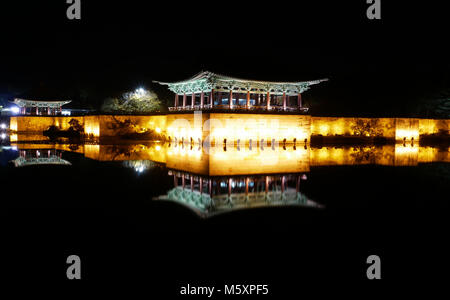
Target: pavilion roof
{"points": [[205, 81], [39, 103]]}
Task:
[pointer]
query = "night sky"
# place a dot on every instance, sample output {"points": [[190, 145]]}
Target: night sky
{"points": [[376, 67]]}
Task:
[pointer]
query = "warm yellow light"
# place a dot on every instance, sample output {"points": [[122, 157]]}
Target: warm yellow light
{"points": [[13, 124], [158, 130]]}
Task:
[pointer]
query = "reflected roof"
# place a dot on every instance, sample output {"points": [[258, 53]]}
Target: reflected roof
{"points": [[204, 206]]}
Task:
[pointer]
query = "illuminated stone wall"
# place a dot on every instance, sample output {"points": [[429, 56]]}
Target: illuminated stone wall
{"points": [[233, 127], [187, 126], [407, 129], [431, 126], [35, 124], [394, 128], [257, 127], [331, 126], [142, 123], [94, 125]]}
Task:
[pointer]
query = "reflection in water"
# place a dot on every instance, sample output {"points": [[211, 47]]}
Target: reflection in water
{"points": [[208, 196], [219, 161], [223, 179], [140, 166], [34, 157]]}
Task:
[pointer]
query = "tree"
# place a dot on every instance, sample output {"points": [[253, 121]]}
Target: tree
{"points": [[368, 128], [139, 101], [76, 126]]}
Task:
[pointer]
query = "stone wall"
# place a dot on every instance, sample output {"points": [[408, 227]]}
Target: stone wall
{"points": [[229, 126], [38, 124], [392, 128], [332, 126]]}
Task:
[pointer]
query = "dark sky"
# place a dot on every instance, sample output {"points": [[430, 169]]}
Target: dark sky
{"points": [[119, 45]]}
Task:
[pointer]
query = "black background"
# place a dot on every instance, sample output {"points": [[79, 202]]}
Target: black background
{"points": [[375, 68]]}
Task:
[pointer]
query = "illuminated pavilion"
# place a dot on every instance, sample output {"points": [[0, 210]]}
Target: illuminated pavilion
{"points": [[38, 107], [210, 91]]}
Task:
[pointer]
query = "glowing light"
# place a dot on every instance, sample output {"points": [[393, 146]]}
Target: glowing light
{"points": [[15, 109], [140, 92], [3, 126], [407, 134], [158, 148], [158, 130], [65, 113], [3, 136]]}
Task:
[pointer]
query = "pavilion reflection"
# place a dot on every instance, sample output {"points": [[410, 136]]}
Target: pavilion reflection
{"points": [[33, 157], [208, 196]]}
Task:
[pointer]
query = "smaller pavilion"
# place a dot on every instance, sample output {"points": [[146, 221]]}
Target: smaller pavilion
{"points": [[38, 107], [210, 91]]}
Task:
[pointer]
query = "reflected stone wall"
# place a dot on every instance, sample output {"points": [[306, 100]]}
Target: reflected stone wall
{"points": [[219, 161]]}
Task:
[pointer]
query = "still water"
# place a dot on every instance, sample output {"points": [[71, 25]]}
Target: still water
{"points": [[177, 211], [151, 184]]}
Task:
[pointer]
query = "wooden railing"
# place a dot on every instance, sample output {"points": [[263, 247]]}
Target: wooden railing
{"points": [[239, 108]]}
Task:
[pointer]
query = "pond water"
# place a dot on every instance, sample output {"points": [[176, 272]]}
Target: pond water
{"points": [[251, 199]]}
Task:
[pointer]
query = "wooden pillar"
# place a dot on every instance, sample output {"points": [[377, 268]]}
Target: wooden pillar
{"points": [[268, 101], [201, 185], [230, 99], [246, 186], [193, 100], [175, 180], [284, 100], [202, 99], [176, 100], [48, 111], [267, 184], [229, 187], [299, 100], [210, 187], [37, 110], [283, 182], [258, 99], [248, 100], [184, 100], [183, 181], [192, 182], [211, 98]]}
